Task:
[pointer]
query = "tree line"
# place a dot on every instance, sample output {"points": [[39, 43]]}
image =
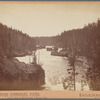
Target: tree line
{"points": [[14, 43], [81, 42], [46, 41], [85, 42], [78, 42]]}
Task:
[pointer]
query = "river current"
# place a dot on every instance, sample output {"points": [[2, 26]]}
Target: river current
{"points": [[55, 68]]}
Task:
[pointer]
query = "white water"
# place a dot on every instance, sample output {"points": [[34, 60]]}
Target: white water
{"points": [[55, 69]]}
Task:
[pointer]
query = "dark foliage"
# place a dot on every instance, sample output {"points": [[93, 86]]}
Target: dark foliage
{"points": [[85, 42], [14, 42]]}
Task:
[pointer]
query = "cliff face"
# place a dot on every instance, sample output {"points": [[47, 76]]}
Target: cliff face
{"points": [[27, 76]]}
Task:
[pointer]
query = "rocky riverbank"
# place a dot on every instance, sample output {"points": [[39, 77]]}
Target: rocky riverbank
{"points": [[18, 75]]}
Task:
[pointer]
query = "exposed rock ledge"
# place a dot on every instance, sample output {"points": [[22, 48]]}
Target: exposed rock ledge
{"points": [[18, 75]]}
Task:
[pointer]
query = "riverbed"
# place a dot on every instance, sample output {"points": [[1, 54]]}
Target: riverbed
{"points": [[55, 70]]}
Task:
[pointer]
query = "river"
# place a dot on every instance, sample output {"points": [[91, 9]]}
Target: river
{"points": [[55, 70]]}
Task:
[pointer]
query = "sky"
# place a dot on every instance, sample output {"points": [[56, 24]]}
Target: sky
{"points": [[48, 19]]}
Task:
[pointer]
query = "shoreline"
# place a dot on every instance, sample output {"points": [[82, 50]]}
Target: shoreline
{"points": [[20, 75]]}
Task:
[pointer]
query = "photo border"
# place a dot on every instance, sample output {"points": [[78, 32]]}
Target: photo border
{"points": [[49, 95]]}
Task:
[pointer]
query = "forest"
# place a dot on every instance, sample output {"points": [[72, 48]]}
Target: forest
{"points": [[81, 42], [46, 41], [85, 42], [78, 42], [15, 43]]}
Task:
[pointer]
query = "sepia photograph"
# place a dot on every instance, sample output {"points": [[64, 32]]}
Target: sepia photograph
{"points": [[49, 46]]}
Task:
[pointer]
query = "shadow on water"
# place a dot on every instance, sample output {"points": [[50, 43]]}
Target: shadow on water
{"points": [[20, 85]]}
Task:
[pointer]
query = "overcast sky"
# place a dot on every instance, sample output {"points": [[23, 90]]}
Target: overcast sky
{"points": [[48, 19]]}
